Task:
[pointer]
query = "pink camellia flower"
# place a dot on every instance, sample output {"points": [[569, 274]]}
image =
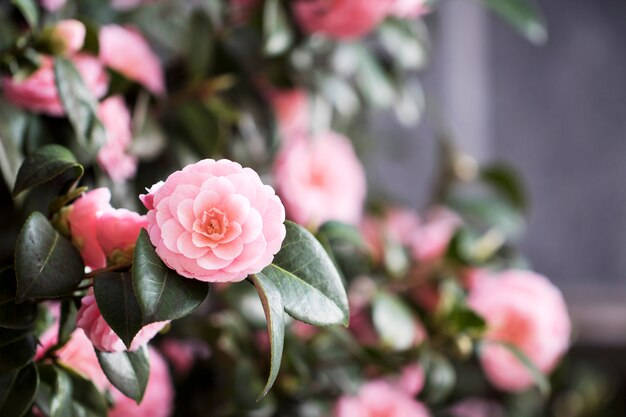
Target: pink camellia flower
{"points": [[397, 225], [380, 399], [38, 92], [52, 5], [292, 111], [215, 221], [321, 179], [117, 231], [412, 379], [113, 156], [79, 354], [408, 8], [83, 219], [431, 240], [524, 309], [158, 400], [303, 330], [100, 333], [69, 36], [125, 50], [340, 18]]}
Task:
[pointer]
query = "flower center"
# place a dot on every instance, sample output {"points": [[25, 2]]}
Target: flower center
{"points": [[511, 328], [213, 224]]}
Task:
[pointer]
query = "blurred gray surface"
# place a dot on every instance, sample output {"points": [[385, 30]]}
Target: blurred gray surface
{"points": [[558, 114]]}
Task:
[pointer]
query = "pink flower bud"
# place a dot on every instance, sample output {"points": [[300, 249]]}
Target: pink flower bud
{"points": [[69, 35], [117, 232]]}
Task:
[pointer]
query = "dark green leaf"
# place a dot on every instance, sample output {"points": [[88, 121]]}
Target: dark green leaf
{"points": [[7, 379], [8, 336], [200, 45], [373, 81], [463, 319], [524, 16], [393, 321], [61, 401], [67, 323], [29, 10], [162, 293], [507, 182], [79, 104], [48, 163], [18, 353], [273, 307], [277, 34], [118, 304], [539, 377], [87, 400], [22, 393], [46, 263], [127, 371], [311, 272], [440, 378], [17, 316], [338, 231]]}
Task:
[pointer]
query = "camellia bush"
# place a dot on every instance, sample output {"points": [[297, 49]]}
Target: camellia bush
{"points": [[185, 227]]}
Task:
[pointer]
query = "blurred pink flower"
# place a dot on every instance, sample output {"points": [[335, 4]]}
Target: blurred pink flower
{"points": [[292, 111], [340, 18], [50, 336], [408, 8], [526, 310], [321, 179], [83, 219], [431, 240], [412, 379], [476, 407], [117, 231], [125, 50], [69, 35], [397, 225], [113, 156], [380, 399], [102, 336], [79, 354], [158, 399], [52, 5], [361, 327], [303, 331], [215, 221], [38, 92], [183, 353]]}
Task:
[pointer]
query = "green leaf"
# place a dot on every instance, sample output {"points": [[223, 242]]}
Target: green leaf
{"points": [[79, 104], [339, 231], [117, 303], [539, 377], [523, 16], [277, 34], [7, 379], [48, 163], [21, 394], [273, 307], [88, 401], [67, 323], [374, 83], [46, 263], [306, 276], [200, 45], [440, 378], [463, 319], [12, 315], [17, 353], [393, 321], [506, 181], [29, 10], [127, 371], [162, 293], [61, 398]]}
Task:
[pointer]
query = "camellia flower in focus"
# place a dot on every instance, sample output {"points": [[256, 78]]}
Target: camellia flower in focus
{"points": [[215, 221], [340, 18], [100, 333], [321, 179], [125, 50], [380, 399], [527, 311], [117, 231], [113, 156], [38, 92]]}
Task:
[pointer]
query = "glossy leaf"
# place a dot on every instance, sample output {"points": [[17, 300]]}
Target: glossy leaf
{"points": [[46, 263], [12, 315], [117, 303], [79, 104], [22, 393], [339, 231], [309, 271], [127, 371], [67, 322], [61, 399], [87, 401], [523, 16], [29, 10], [277, 34], [17, 353], [393, 321], [162, 293], [48, 163], [273, 307]]}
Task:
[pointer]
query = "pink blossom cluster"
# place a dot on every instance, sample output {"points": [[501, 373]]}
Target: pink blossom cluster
{"points": [[348, 19], [122, 49]]}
